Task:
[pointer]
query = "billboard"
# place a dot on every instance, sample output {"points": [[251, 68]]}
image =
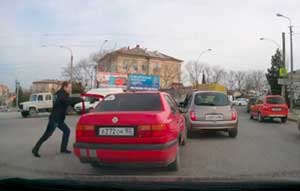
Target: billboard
{"points": [[143, 82], [109, 79]]}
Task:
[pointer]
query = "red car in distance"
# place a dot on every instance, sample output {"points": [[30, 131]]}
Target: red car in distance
{"points": [[271, 106], [132, 129]]}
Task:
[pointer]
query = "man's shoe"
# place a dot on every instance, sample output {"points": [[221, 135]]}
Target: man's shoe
{"points": [[66, 151], [35, 153]]}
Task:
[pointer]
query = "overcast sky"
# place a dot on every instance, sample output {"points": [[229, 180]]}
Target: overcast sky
{"points": [[181, 29]]}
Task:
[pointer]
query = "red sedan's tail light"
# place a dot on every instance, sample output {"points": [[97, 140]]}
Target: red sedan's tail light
{"points": [[233, 115], [81, 130], [152, 130], [193, 115], [265, 108]]}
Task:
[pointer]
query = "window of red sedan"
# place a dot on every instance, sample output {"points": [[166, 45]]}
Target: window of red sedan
{"points": [[131, 102], [275, 100]]}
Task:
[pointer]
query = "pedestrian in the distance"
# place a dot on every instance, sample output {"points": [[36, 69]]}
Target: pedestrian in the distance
{"points": [[61, 101]]}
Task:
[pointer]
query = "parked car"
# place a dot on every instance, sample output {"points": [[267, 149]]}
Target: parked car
{"points": [[91, 102], [38, 102], [271, 106], [210, 110], [4, 108], [240, 101], [251, 102], [141, 128]]}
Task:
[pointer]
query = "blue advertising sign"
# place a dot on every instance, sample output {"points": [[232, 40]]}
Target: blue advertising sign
{"points": [[143, 82]]}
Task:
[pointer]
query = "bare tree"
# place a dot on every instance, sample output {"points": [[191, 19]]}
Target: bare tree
{"points": [[230, 78], [218, 74], [249, 82], [208, 73], [240, 79], [87, 71], [168, 74], [194, 70], [83, 72], [259, 79]]}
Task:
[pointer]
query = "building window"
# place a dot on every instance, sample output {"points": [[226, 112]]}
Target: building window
{"points": [[156, 68], [125, 64], [144, 67], [135, 67]]}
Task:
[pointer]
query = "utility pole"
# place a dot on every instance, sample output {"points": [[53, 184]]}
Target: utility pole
{"points": [[292, 69], [17, 93], [71, 67], [71, 76], [292, 60], [283, 62]]}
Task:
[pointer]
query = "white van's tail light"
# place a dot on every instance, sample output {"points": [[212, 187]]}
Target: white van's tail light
{"points": [[193, 115]]}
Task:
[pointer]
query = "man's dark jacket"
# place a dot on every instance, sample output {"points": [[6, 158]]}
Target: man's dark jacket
{"points": [[61, 101]]}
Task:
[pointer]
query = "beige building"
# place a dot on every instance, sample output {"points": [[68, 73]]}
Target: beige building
{"points": [[142, 61], [4, 94], [45, 86]]}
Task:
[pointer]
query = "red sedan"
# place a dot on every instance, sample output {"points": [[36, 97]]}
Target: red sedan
{"points": [[271, 106], [137, 129]]}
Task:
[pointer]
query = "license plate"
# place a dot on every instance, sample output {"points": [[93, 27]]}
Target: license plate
{"points": [[276, 109], [116, 131], [214, 117]]}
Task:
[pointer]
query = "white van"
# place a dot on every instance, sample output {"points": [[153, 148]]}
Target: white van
{"points": [[91, 102]]}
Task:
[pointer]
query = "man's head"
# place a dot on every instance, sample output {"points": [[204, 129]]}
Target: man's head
{"points": [[67, 87]]}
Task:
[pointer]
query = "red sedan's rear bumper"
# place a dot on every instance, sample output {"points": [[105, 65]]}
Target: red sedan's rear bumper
{"points": [[274, 114], [127, 154]]}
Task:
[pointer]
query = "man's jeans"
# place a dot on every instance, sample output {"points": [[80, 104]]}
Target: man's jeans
{"points": [[49, 131]]}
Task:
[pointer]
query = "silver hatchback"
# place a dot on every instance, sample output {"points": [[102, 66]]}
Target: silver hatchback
{"points": [[210, 110]]}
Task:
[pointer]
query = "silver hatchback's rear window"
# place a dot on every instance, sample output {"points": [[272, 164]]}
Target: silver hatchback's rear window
{"points": [[211, 99]]}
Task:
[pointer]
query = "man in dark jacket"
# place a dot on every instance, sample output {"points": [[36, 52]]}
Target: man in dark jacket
{"points": [[57, 117]]}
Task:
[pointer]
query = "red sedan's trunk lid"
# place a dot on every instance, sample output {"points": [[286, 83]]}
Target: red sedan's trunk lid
{"points": [[277, 107], [123, 118], [95, 121]]}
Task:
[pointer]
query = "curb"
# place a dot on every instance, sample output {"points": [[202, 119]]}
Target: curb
{"points": [[292, 119]]}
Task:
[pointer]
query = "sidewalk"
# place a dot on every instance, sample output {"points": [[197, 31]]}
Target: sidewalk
{"points": [[293, 116]]}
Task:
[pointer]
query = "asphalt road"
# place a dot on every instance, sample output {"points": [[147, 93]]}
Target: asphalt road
{"points": [[268, 149]]}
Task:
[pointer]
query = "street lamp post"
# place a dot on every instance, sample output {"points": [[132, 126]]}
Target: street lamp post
{"points": [[203, 52], [292, 59], [71, 66], [270, 40]]}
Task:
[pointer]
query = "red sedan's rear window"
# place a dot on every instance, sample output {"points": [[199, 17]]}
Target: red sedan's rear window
{"points": [[275, 100], [131, 102]]}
